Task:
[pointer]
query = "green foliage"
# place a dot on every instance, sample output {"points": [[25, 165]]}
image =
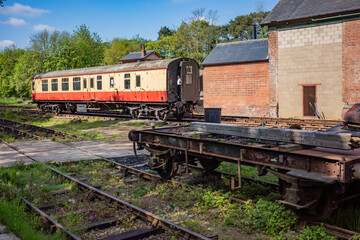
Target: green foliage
{"points": [[241, 27], [165, 32], [14, 216], [314, 233], [269, 217], [119, 48]]}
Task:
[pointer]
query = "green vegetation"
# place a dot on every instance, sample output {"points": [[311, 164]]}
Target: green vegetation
{"points": [[81, 127], [50, 51], [17, 102], [25, 226]]}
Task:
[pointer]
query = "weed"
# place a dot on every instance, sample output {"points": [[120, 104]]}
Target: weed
{"points": [[314, 233]]}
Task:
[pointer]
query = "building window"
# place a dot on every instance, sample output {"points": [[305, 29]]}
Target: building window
{"points": [[65, 84], [111, 82], [44, 85], [54, 84], [84, 83], [99, 82], [76, 84], [91, 82], [309, 100], [127, 81], [138, 80]]}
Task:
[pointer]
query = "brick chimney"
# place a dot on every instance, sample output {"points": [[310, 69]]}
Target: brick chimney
{"points": [[143, 52]]}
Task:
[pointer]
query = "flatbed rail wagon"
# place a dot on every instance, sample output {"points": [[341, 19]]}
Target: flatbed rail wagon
{"points": [[316, 170]]}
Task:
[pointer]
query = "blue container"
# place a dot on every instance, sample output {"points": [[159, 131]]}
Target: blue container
{"points": [[212, 115]]}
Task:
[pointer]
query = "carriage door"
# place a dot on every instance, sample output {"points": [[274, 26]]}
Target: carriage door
{"points": [[190, 81], [92, 88]]}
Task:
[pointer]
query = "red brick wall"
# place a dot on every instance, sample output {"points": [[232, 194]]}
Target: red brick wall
{"points": [[239, 89], [351, 63], [273, 72]]}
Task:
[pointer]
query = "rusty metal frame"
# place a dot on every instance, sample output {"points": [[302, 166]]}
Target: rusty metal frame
{"points": [[310, 161]]}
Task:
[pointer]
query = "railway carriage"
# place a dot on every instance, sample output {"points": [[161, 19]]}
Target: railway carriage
{"points": [[152, 88]]}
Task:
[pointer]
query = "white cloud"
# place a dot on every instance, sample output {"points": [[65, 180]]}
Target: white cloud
{"points": [[22, 10], [42, 27], [6, 43], [16, 22]]}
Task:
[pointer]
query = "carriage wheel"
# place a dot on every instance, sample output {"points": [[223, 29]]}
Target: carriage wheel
{"points": [[135, 113], [161, 115], [179, 116], [57, 110], [209, 164], [168, 170]]}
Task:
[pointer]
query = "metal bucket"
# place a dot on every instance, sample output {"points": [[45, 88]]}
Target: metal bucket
{"points": [[212, 115]]}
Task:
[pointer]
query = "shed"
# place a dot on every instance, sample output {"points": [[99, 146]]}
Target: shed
{"points": [[235, 78]]}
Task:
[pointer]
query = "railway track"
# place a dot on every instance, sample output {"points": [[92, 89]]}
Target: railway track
{"points": [[33, 131], [152, 226], [333, 230], [306, 124]]}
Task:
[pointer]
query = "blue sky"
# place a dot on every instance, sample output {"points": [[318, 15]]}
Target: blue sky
{"points": [[19, 19]]}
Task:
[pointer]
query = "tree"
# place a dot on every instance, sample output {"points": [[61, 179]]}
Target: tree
{"points": [[9, 57], [165, 32], [120, 47], [87, 49], [2, 3], [165, 46], [241, 27]]}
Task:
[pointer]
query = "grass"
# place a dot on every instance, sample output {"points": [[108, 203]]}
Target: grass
{"points": [[246, 171], [17, 102], [17, 220], [80, 127]]}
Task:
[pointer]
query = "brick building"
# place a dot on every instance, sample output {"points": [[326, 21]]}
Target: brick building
{"points": [[314, 57], [236, 78]]}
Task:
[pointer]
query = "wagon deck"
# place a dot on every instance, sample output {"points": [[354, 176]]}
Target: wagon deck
{"points": [[313, 179]]}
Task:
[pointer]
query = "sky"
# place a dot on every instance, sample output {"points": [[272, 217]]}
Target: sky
{"points": [[20, 19]]}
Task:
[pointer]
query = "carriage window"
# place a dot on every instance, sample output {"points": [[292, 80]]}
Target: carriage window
{"points": [[76, 84], [44, 84], [138, 80], [99, 82], [111, 82], [54, 84], [33, 86], [84, 83], [91, 82], [127, 81], [65, 84]]}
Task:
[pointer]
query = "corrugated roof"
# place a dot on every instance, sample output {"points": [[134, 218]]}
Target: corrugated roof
{"points": [[108, 69], [136, 55], [287, 10], [238, 52]]}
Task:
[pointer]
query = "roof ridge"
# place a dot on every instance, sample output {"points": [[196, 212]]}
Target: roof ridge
{"points": [[244, 41]]}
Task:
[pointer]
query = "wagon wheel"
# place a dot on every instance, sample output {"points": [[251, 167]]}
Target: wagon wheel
{"points": [[209, 164], [179, 116], [57, 110], [325, 206], [168, 170], [161, 115], [135, 113]]}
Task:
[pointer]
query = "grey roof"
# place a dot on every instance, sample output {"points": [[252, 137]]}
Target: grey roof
{"points": [[108, 69], [287, 10], [238, 52], [136, 55]]}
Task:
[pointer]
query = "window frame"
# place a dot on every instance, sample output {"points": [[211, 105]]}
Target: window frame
{"points": [[99, 81], [75, 81], [127, 81], [112, 82], [63, 82], [138, 80], [54, 84], [44, 82], [92, 82]]}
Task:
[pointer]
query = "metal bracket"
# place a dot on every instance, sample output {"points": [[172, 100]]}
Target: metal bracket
{"points": [[240, 159]]}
